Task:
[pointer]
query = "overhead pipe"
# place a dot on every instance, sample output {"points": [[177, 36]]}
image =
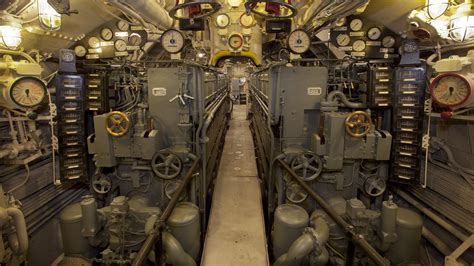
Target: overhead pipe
{"points": [[151, 11], [17, 239], [332, 98]]}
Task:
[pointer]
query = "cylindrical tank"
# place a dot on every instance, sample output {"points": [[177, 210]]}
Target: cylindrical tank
{"points": [[289, 222], [74, 244], [389, 218], [184, 224], [89, 217], [406, 248]]}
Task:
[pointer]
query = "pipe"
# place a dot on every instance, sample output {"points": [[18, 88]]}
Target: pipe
{"points": [[151, 11], [18, 241], [332, 97], [20, 53], [175, 252]]}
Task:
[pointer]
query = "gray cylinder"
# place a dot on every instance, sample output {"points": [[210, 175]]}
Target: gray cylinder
{"points": [[389, 221], [184, 224], [406, 248], [89, 215], [74, 244], [289, 222]]}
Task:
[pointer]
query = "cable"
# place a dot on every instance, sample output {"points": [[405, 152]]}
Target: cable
{"points": [[24, 181]]}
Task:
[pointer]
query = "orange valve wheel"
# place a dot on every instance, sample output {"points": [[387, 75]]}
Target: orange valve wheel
{"points": [[117, 123], [358, 124]]}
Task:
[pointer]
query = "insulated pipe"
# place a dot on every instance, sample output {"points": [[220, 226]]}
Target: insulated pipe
{"points": [[152, 11], [18, 241], [175, 252], [332, 98]]}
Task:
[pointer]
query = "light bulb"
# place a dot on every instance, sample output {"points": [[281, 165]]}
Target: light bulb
{"points": [[436, 8], [48, 17], [461, 25], [11, 36]]}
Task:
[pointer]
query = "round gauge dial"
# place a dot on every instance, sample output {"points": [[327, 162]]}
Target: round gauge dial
{"points": [[236, 41], [374, 33], [410, 47], [28, 92], [356, 24], [80, 51], [388, 41], [135, 39], [106, 34], [123, 25], [93, 42], [120, 45], [222, 21], [343, 40], [246, 21], [299, 41], [172, 41], [359, 46], [450, 90], [67, 56]]}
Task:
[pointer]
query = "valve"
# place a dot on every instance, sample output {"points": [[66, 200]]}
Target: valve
{"points": [[166, 165], [358, 124], [308, 166], [375, 185], [117, 123]]}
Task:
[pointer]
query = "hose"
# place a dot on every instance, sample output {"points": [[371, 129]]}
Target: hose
{"points": [[332, 97]]}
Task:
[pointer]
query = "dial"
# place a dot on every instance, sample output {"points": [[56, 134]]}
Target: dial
{"points": [[359, 46], [80, 51], [299, 41], [340, 22], [93, 42], [135, 39], [236, 41], [222, 21], [410, 47], [343, 40], [356, 24], [234, 3], [67, 56], [28, 92], [374, 33], [247, 21], [106, 34], [388, 41], [172, 41], [450, 90], [123, 25], [120, 45]]}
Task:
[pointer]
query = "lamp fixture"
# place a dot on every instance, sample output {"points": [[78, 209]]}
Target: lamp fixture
{"points": [[10, 30], [48, 17], [436, 8], [461, 24]]}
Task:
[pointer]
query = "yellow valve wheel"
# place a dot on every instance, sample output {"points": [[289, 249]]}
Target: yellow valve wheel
{"points": [[358, 124], [117, 123]]}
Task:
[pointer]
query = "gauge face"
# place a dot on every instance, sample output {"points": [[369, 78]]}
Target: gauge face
{"points": [[93, 42], [67, 56], [123, 25], [120, 45], [341, 22], [222, 21], [135, 39], [450, 90], [343, 39], [246, 21], [28, 92], [106, 34], [410, 47], [172, 41], [358, 46], [236, 41], [374, 33], [299, 41], [388, 41], [356, 24], [80, 51]]}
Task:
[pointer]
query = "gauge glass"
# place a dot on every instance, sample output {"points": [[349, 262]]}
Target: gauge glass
{"points": [[28, 92], [343, 39], [388, 41], [123, 25], [359, 46], [135, 39], [120, 45], [106, 34], [374, 33], [356, 24], [222, 21], [246, 20], [93, 42], [236, 41], [172, 41], [450, 90], [80, 51], [299, 41]]}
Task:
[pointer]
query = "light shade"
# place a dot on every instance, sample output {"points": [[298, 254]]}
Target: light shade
{"points": [[10, 31], [48, 17], [436, 8], [461, 25]]}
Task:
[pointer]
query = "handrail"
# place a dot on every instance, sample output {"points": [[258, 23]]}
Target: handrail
{"points": [[347, 227], [154, 238]]}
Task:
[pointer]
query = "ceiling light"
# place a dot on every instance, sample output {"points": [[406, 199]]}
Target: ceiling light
{"points": [[461, 25], [436, 8], [10, 30], [48, 17]]}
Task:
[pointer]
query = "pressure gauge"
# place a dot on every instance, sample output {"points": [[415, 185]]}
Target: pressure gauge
{"points": [[450, 90], [374, 33], [359, 46], [120, 45], [236, 41], [222, 20], [343, 40], [93, 42], [135, 39], [172, 41], [388, 41], [299, 41], [80, 51], [356, 24], [106, 34], [28, 92], [67, 56], [246, 21], [122, 25]]}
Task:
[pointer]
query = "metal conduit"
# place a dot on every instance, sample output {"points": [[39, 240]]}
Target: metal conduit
{"points": [[348, 228]]}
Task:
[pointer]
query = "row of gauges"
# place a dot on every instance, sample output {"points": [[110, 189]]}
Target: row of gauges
{"points": [[246, 21]]}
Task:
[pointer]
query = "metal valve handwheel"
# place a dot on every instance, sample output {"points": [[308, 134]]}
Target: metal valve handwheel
{"points": [[166, 165], [295, 194], [102, 184], [308, 166], [215, 6], [291, 11], [358, 124], [117, 123], [375, 186]]}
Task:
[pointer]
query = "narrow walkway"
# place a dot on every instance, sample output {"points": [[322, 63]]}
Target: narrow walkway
{"points": [[236, 229]]}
